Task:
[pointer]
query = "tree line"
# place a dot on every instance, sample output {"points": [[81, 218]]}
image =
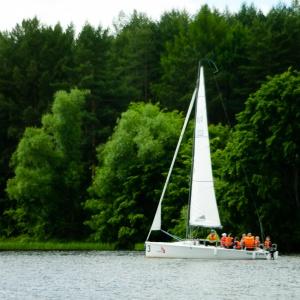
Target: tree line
{"points": [[89, 123]]}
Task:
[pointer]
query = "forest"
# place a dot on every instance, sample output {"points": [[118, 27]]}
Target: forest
{"points": [[89, 123]]}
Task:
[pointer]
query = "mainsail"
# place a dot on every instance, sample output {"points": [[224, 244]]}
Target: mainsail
{"points": [[203, 206]]}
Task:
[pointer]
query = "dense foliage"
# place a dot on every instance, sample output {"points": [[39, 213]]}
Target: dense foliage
{"points": [[47, 164], [47, 188], [125, 187], [260, 164]]}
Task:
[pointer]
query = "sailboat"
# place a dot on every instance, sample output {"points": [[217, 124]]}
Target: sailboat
{"points": [[203, 210]]}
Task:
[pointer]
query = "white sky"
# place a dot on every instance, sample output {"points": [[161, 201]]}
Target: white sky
{"points": [[99, 12]]}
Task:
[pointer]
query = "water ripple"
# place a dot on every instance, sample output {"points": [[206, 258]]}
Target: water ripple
{"points": [[129, 275]]}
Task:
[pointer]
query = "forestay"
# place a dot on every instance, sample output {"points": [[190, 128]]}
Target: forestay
{"points": [[156, 224]]}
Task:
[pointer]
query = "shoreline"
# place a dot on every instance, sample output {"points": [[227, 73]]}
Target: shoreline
{"points": [[7, 245]]}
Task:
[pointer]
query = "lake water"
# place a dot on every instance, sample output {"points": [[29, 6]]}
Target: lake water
{"points": [[129, 275]]}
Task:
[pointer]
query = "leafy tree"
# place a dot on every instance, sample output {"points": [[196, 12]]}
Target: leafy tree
{"points": [[128, 181], [47, 188], [171, 24], [260, 173], [208, 36], [92, 72], [136, 59], [35, 61], [270, 46]]}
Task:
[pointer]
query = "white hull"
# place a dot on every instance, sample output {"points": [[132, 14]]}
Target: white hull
{"points": [[190, 249]]}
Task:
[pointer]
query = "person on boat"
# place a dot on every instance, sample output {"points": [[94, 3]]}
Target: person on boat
{"points": [[223, 239], [257, 243], [213, 237], [249, 242], [267, 244], [237, 244], [229, 241]]}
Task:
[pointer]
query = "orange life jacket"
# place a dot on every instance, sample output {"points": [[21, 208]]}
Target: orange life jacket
{"points": [[223, 240], [228, 241], [249, 242], [238, 245], [212, 237]]}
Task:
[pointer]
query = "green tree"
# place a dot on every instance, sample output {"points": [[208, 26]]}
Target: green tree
{"points": [[270, 45], [46, 190], [172, 24], [135, 54], [128, 181], [92, 72], [260, 172], [207, 36], [35, 61]]}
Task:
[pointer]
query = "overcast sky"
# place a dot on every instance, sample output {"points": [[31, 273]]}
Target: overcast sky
{"points": [[99, 12]]}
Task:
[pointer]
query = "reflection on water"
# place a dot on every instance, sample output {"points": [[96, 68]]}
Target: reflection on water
{"points": [[129, 275]]}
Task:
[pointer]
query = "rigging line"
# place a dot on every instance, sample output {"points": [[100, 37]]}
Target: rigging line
{"points": [[187, 117], [171, 235], [243, 169], [255, 205], [222, 101]]}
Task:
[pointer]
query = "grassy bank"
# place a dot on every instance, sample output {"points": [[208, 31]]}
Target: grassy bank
{"points": [[53, 246], [16, 245]]}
